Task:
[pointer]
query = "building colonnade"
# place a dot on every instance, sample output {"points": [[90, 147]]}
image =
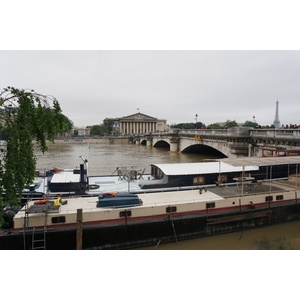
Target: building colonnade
{"points": [[137, 127]]}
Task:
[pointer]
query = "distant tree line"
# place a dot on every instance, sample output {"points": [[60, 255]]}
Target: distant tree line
{"points": [[225, 125]]}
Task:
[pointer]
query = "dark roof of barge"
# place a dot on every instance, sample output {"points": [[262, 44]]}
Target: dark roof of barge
{"points": [[260, 161]]}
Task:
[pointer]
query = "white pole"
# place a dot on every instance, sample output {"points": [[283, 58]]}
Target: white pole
{"points": [[249, 150]]}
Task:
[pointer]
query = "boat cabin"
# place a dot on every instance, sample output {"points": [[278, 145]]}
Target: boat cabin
{"points": [[191, 174], [67, 181], [213, 173]]}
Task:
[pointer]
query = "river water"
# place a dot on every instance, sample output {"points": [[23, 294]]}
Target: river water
{"points": [[103, 160]]}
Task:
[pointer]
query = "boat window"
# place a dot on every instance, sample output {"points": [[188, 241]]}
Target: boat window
{"points": [[269, 198], [279, 197], [56, 220], [222, 178], [210, 205], [198, 180], [156, 173], [170, 209], [125, 213]]}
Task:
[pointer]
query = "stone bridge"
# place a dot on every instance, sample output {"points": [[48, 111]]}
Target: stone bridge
{"points": [[233, 142]]}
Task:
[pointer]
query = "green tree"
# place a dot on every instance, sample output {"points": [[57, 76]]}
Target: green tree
{"points": [[179, 125], [3, 134], [250, 124], [104, 130], [99, 130], [95, 130], [188, 126], [108, 125], [215, 126], [230, 123], [26, 116], [67, 124]]}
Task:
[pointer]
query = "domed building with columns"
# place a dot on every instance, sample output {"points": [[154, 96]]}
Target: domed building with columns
{"points": [[137, 123]]}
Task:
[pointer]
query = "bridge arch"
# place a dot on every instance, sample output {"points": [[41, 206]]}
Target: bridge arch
{"points": [[203, 149], [144, 142], [162, 143]]}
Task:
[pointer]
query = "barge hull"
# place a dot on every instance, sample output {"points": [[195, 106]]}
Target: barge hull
{"points": [[130, 234]]}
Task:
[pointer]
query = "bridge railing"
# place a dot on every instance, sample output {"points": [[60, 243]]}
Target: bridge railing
{"points": [[232, 132], [279, 133], [235, 131], [244, 131]]}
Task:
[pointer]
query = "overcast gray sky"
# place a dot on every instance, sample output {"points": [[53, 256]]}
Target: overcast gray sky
{"points": [[217, 85], [172, 85]]}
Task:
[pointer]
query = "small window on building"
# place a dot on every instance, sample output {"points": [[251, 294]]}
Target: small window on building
{"points": [[269, 198], [198, 180], [279, 197], [56, 220], [210, 205]]}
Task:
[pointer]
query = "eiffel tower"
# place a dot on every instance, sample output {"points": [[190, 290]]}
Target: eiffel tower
{"points": [[276, 122]]}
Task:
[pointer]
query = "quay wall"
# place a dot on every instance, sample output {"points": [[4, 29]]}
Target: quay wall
{"points": [[94, 140]]}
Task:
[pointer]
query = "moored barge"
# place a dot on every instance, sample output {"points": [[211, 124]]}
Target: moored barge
{"points": [[161, 216]]}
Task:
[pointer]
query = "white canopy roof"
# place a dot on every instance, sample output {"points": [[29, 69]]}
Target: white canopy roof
{"points": [[65, 177], [261, 161], [200, 168]]}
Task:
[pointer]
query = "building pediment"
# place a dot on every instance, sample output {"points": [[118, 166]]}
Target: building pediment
{"points": [[137, 123], [138, 117]]}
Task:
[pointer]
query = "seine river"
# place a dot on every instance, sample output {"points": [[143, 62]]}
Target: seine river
{"points": [[103, 160]]}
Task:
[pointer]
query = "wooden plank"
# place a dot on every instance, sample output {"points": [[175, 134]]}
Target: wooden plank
{"points": [[79, 230]]}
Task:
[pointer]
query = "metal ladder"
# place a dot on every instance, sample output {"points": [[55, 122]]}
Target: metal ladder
{"points": [[39, 244]]}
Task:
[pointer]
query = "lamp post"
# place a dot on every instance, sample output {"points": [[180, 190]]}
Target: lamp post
{"points": [[196, 120]]}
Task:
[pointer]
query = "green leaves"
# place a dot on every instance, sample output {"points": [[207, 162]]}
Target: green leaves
{"points": [[26, 116]]}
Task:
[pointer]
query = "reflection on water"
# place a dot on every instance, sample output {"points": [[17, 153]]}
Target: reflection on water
{"points": [[103, 160]]}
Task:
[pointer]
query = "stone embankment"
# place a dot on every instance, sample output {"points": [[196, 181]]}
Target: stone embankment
{"points": [[107, 140]]}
